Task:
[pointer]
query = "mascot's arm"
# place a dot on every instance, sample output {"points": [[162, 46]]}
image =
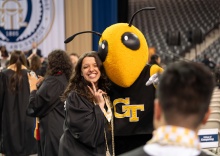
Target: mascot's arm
{"points": [[155, 70]]}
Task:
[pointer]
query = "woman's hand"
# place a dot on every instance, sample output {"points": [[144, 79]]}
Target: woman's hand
{"points": [[98, 95], [40, 80], [33, 81]]}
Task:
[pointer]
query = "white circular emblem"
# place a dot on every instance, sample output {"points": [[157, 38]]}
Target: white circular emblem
{"points": [[23, 22]]}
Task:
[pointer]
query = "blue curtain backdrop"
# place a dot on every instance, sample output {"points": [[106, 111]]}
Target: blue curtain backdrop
{"points": [[104, 14]]}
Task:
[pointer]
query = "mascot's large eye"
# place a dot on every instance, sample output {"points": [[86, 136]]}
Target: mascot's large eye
{"points": [[130, 40], [103, 50]]}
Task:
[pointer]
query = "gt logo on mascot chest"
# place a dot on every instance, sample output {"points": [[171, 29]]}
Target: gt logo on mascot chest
{"points": [[129, 110]]}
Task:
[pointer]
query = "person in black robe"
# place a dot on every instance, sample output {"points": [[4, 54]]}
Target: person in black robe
{"points": [[46, 104], [88, 123], [17, 137]]}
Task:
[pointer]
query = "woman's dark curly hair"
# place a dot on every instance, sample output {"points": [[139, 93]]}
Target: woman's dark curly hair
{"points": [[59, 62], [79, 84]]}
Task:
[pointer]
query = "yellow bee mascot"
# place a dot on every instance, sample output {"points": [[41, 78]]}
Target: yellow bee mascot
{"points": [[124, 52]]}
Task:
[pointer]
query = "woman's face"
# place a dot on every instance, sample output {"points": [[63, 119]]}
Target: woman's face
{"points": [[158, 60], [90, 70]]}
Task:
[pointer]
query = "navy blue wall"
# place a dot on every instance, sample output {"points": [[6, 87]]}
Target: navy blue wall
{"points": [[104, 14]]}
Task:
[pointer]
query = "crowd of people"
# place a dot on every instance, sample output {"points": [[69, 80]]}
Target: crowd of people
{"points": [[31, 87], [61, 106]]}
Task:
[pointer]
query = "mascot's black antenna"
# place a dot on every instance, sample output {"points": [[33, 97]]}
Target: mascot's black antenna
{"points": [[73, 36], [147, 8]]}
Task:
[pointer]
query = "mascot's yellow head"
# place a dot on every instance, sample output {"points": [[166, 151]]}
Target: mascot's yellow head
{"points": [[123, 50]]}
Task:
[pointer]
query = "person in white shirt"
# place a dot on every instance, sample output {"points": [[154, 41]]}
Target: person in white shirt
{"points": [[182, 106]]}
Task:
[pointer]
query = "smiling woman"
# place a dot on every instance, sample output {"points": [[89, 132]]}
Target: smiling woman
{"points": [[90, 70], [88, 111]]}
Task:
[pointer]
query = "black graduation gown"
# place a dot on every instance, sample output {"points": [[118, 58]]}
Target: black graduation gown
{"points": [[83, 129], [45, 103], [1, 99], [17, 128]]}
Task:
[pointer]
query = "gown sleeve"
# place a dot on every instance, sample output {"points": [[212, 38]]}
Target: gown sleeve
{"points": [[43, 100], [84, 120], [1, 106], [2, 94]]}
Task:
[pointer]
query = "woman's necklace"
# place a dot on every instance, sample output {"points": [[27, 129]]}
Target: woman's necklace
{"points": [[109, 117], [108, 113]]}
